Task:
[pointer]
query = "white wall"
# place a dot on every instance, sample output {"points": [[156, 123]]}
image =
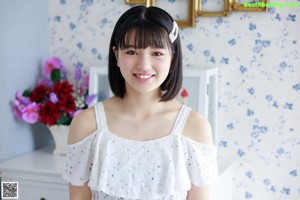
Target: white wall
{"points": [[23, 46], [259, 61]]}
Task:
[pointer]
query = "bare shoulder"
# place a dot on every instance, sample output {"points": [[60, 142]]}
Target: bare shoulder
{"points": [[82, 125], [198, 128]]}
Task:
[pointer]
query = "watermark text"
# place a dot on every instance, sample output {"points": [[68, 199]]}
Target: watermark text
{"points": [[275, 4]]}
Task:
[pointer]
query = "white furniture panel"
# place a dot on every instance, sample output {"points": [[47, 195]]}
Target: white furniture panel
{"points": [[223, 189], [38, 174]]}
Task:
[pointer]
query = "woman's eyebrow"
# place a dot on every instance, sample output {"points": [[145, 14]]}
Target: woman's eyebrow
{"points": [[129, 46]]}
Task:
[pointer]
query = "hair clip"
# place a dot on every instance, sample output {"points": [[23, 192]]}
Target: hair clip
{"points": [[174, 33]]}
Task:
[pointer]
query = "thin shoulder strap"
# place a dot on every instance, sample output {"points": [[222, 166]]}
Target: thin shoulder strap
{"points": [[181, 119], [100, 116]]}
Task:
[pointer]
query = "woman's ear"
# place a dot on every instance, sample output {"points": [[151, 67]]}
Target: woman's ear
{"points": [[116, 54]]}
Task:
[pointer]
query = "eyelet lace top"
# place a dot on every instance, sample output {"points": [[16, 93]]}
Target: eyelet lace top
{"points": [[118, 168]]}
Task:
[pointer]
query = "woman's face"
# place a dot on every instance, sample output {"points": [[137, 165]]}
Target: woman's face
{"points": [[144, 70]]}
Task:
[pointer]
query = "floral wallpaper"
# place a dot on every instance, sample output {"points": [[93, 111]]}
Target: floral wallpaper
{"points": [[259, 82]]}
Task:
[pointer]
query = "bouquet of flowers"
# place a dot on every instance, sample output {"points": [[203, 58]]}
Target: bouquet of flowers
{"points": [[54, 100]]}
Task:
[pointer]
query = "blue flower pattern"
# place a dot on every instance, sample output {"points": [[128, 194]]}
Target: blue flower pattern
{"points": [[258, 57]]}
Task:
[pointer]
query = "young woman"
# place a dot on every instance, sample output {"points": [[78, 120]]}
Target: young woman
{"points": [[142, 143]]}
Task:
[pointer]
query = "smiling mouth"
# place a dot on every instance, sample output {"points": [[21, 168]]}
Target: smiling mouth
{"points": [[143, 76]]}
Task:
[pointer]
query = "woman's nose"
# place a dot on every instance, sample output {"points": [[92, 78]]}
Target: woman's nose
{"points": [[144, 62]]}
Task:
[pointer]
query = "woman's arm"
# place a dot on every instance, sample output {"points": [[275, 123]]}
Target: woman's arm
{"points": [[80, 192], [198, 129], [199, 193], [82, 126]]}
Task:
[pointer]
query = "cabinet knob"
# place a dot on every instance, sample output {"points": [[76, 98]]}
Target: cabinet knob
{"points": [[42, 198]]}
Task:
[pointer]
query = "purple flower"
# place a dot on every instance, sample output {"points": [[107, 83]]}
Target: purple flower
{"points": [[90, 98], [53, 98], [77, 73], [46, 82], [22, 100], [64, 71], [30, 113], [26, 107]]}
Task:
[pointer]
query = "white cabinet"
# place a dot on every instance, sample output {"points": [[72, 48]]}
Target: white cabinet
{"points": [[38, 175], [223, 189]]}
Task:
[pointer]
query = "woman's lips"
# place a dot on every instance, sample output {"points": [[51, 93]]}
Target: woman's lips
{"points": [[143, 76]]}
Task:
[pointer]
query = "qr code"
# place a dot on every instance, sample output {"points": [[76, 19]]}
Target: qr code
{"points": [[9, 190]]}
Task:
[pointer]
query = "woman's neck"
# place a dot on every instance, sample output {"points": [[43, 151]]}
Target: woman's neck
{"points": [[141, 104]]}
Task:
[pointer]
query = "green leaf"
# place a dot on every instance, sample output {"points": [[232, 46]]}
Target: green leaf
{"points": [[26, 93], [65, 120], [55, 75], [86, 93]]}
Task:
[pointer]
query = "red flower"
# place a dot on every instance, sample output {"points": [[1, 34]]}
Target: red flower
{"points": [[62, 88], [184, 93], [49, 113], [39, 93], [67, 103], [55, 100]]}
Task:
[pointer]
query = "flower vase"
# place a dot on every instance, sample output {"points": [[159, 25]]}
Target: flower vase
{"points": [[60, 136]]}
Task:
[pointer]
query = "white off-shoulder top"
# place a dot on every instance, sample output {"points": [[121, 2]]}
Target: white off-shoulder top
{"points": [[118, 168]]}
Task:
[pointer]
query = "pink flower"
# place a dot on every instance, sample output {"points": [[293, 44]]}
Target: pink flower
{"points": [[19, 104], [30, 113], [17, 109], [77, 112], [53, 100], [51, 64], [54, 63], [86, 81]]}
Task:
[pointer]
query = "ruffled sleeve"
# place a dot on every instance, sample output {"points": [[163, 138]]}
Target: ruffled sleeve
{"points": [[201, 162], [79, 161]]}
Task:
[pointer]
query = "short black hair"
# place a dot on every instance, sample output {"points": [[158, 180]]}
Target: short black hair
{"points": [[152, 25]]}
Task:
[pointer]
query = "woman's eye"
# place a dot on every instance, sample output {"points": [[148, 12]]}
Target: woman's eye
{"points": [[157, 54], [131, 52]]}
